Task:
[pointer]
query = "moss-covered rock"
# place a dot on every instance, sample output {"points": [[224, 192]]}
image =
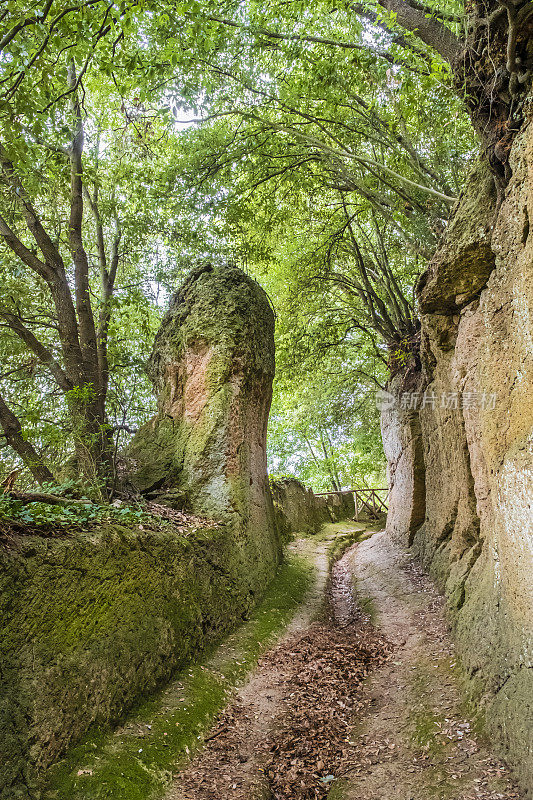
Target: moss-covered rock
{"points": [[340, 505], [299, 510], [296, 508], [137, 760], [212, 367], [94, 622]]}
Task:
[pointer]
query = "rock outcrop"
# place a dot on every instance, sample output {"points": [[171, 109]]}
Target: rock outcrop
{"points": [[299, 510], [212, 367], [402, 444], [94, 621], [296, 508], [468, 447]]}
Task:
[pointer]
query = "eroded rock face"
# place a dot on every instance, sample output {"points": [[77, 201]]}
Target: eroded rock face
{"points": [[297, 508], [402, 443], [94, 622], [212, 366], [477, 537]]}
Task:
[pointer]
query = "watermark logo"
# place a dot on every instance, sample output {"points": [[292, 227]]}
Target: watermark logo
{"points": [[417, 401], [384, 400]]}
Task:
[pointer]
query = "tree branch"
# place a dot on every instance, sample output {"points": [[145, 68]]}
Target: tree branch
{"points": [[51, 254], [44, 355], [10, 35], [429, 30], [52, 270], [24, 253], [268, 34], [15, 438]]}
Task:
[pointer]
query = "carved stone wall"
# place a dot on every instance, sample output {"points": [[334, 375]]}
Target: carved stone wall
{"points": [[477, 435]]}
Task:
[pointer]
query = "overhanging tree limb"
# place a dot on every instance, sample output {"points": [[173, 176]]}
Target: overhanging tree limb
{"points": [[307, 39], [428, 29]]}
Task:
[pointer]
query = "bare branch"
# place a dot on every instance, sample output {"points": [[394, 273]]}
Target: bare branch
{"points": [[44, 355]]}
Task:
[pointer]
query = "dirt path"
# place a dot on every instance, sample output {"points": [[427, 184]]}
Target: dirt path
{"points": [[232, 761], [414, 742], [236, 760], [308, 724]]}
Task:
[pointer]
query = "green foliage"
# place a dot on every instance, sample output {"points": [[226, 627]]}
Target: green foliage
{"points": [[81, 513], [323, 426], [329, 147], [276, 478], [72, 487]]}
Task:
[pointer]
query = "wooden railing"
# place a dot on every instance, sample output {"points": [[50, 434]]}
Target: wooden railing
{"points": [[365, 500]]}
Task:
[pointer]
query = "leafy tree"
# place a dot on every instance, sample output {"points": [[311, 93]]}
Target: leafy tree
{"points": [[324, 425], [77, 153], [331, 146]]}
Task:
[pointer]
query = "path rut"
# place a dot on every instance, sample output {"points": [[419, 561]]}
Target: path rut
{"points": [[232, 760]]}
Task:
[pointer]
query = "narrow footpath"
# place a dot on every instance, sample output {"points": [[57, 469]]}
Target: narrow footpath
{"points": [[414, 742], [358, 701]]}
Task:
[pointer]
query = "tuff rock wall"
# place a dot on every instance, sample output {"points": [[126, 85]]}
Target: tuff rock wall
{"points": [[95, 621], [299, 510], [461, 464]]}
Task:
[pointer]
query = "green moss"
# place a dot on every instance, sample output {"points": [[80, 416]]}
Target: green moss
{"points": [[94, 622], [155, 455], [424, 724], [137, 761], [343, 535], [339, 789], [423, 720]]}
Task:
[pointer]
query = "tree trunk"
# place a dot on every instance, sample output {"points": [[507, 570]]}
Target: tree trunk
{"points": [[83, 373], [335, 485], [13, 433], [92, 438], [494, 75]]}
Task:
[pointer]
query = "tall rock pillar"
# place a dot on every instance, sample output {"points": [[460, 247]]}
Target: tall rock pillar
{"points": [[212, 367]]}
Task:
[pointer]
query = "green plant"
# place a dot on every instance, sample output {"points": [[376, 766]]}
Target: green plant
{"points": [[85, 512]]}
